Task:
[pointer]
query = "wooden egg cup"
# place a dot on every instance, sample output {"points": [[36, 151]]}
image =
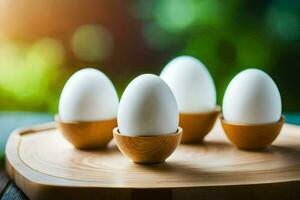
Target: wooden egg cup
{"points": [[147, 149], [86, 135], [197, 125], [252, 137]]}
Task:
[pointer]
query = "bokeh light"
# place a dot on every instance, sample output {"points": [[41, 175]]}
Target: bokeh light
{"points": [[26, 71], [175, 15], [11, 62], [46, 53], [92, 43], [284, 24]]}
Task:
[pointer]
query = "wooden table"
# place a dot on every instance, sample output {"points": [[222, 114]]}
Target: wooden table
{"points": [[8, 190]]}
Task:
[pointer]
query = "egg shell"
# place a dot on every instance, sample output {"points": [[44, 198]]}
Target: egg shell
{"points": [[147, 107], [191, 84], [88, 95], [252, 97]]}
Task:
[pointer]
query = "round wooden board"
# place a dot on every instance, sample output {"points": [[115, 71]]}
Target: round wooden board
{"points": [[45, 166]]}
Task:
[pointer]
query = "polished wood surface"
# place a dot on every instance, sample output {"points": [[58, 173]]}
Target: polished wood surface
{"points": [[45, 166], [252, 137], [197, 126], [86, 135], [147, 149]]}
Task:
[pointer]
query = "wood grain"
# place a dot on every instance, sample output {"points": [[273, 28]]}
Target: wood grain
{"points": [[197, 126], [45, 166], [147, 149], [86, 135], [252, 137]]}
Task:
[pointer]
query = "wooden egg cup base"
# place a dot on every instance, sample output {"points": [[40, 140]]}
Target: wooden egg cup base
{"points": [[197, 126], [87, 135], [252, 137], [147, 149]]}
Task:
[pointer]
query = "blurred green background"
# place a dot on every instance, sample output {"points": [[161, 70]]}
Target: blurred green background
{"points": [[43, 42]]}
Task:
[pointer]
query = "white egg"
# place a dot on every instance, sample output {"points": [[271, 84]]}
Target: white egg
{"points": [[252, 97], [147, 107], [191, 84], [88, 96]]}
